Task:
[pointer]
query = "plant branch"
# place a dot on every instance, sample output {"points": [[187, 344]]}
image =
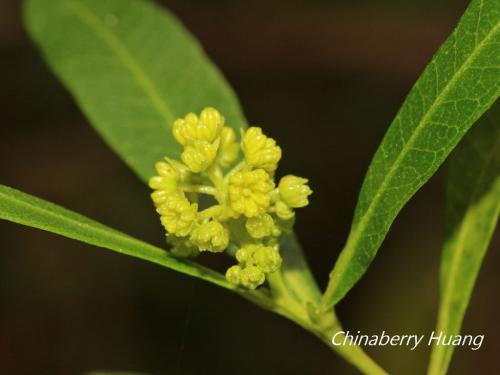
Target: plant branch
{"points": [[323, 326]]}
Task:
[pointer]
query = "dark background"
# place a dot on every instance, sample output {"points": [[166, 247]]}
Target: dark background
{"points": [[325, 78]]}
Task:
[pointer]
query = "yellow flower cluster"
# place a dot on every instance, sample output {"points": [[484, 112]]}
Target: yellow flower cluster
{"points": [[254, 261], [249, 212]]}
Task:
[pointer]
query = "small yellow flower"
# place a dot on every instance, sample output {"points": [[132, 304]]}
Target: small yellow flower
{"points": [[260, 226], [167, 170], [255, 260], [294, 191], [199, 155], [249, 192], [211, 236], [178, 215], [248, 276], [251, 277], [244, 255], [233, 274], [260, 151], [166, 183], [267, 259], [192, 128], [211, 123]]}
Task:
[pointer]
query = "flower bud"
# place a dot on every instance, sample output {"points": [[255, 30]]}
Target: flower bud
{"points": [[165, 169], [211, 123], [251, 277], [179, 130], [294, 191], [249, 192], [260, 226], [267, 259], [211, 236], [260, 151], [244, 255], [159, 197], [200, 155], [178, 215], [192, 129], [167, 179], [233, 274]]}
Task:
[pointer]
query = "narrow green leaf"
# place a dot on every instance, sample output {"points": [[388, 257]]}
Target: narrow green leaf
{"points": [[472, 210], [459, 84], [27, 210], [133, 69]]}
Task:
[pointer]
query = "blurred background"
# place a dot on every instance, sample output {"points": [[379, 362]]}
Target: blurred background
{"points": [[325, 78]]}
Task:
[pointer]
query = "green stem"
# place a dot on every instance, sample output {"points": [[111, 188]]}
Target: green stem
{"points": [[209, 212], [351, 353], [324, 326], [284, 299], [203, 189]]}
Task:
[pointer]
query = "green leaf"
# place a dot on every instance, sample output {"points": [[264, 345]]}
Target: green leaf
{"points": [[133, 69], [458, 85], [27, 210], [472, 210]]}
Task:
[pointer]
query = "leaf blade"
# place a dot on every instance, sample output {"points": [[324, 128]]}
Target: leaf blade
{"points": [[473, 208], [460, 83], [132, 68], [22, 208]]}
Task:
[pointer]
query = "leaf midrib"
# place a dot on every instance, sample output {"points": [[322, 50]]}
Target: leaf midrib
{"points": [[87, 17], [356, 234]]}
